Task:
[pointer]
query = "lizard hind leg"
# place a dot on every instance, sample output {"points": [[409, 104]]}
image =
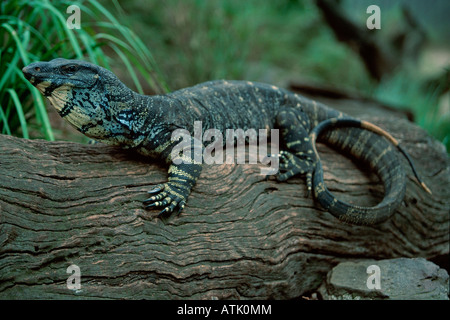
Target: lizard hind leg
{"points": [[299, 158], [292, 165]]}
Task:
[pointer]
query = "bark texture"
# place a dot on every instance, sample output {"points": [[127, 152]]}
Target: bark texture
{"points": [[239, 236]]}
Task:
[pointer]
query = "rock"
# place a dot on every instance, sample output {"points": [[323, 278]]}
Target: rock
{"points": [[395, 279]]}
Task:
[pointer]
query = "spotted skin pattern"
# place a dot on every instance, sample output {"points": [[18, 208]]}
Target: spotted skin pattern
{"points": [[99, 105]]}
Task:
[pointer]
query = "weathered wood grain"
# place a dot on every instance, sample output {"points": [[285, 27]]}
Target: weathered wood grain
{"points": [[239, 236]]}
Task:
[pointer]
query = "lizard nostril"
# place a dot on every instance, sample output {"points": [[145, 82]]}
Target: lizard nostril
{"points": [[37, 69]]}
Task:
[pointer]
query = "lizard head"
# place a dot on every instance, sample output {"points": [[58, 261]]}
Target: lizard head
{"points": [[77, 90], [59, 74]]}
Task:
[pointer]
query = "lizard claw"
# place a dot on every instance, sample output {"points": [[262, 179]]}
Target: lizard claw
{"points": [[308, 183], [156, 189], [169, 209]]}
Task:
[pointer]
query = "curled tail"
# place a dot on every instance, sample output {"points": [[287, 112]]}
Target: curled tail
{"points": [[381, 158]]}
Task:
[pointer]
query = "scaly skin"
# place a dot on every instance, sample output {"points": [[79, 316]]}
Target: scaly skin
{"points": [[99, 105]]}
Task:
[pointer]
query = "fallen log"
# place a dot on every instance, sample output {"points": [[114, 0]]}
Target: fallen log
{"points": [[239, 236]]}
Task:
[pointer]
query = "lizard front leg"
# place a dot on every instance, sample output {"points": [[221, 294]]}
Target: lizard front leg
{"points": [[184, 170]]}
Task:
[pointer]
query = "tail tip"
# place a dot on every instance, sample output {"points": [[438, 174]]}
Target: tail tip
{"points": [[424, 186]]}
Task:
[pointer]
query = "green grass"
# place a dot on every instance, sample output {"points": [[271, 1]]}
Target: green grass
{"points": [[37, 31]]}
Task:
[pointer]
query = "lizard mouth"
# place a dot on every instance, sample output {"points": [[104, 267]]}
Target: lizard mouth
{"points": [[29, 74]]}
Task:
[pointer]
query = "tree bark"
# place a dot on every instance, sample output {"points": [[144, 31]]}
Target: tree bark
{"points": [[239, 235]]}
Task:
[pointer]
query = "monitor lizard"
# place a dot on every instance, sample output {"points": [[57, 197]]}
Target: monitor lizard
{"points": [[98, 104]]}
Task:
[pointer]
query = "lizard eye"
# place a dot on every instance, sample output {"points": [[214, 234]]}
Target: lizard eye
{"points": [[69, 69]]}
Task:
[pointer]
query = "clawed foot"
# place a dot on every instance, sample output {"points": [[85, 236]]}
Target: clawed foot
{"points": [[291, 165], [168, 196]]}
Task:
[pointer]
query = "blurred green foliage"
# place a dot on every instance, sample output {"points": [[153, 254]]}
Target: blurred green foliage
{"points": [[202, 40], [276, 41], [36, 31]]}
